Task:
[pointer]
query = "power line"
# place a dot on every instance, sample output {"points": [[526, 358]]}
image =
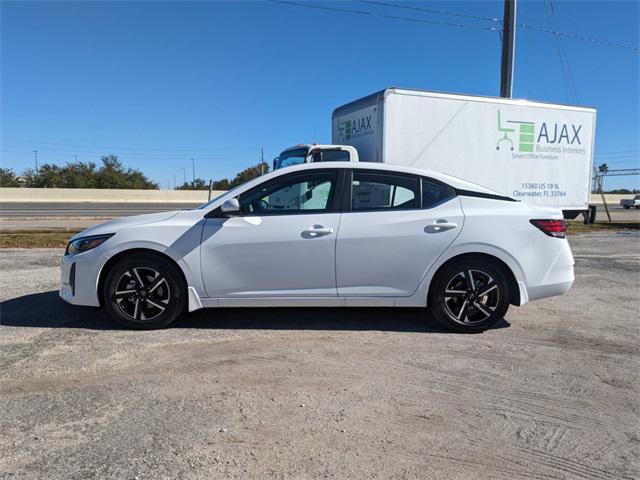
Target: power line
{"points": [[576, 36], [129, 148], [556, 45], [552, 31], [621, 172], [431, 10], [621, 151], [100, 153], [564, 60], [382, 15]]}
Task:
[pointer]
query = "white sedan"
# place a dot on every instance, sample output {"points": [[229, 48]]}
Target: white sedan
{"points": [[327, 235]]}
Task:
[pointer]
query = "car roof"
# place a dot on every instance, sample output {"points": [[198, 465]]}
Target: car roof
{"points": [[455, 182]]}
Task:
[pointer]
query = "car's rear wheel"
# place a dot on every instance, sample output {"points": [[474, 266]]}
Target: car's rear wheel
{"points": [[144, 291], [469, 295]]}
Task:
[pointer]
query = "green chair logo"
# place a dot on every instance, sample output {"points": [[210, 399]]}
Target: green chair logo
{"points": [[345, 130], [526, 134]]}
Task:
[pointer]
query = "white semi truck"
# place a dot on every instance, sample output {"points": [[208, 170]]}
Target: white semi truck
{"points": [[537, 152]]}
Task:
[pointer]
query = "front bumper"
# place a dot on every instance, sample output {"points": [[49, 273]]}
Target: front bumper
{"points": [[79, 279]]}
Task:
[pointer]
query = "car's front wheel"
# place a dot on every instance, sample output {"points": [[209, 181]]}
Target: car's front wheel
{"points": [[469, 295], [144, 291]]}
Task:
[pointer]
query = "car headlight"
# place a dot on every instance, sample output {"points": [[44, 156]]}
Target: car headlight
{"points": [[86, 243]]}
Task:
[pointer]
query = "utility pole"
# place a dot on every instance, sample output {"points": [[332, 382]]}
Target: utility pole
{"points": [[184, 175], [35, 154], [261, 160], [193, 167], [508, 49], [75, 157], [174, 182]]}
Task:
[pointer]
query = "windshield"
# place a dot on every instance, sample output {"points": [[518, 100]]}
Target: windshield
{"points": [[290, 157]]}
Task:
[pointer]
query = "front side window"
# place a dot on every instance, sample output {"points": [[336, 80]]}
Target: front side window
{"points": [[380, 191], [310, 193]]}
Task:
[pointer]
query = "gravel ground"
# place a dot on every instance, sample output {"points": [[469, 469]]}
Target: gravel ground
{"points": [[324, 393]]}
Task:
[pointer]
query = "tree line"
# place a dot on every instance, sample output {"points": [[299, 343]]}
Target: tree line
{"points": [[227, 183], [111, 174]]}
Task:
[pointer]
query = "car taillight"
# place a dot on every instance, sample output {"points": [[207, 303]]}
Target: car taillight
{"points": [[552, 227]]}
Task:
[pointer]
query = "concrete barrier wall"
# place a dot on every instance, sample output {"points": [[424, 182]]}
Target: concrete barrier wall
{"points": [[73, 195], [70, 195], [612, 198]]}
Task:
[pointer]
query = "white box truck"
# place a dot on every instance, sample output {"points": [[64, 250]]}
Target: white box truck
{"points": [[537, 152]]}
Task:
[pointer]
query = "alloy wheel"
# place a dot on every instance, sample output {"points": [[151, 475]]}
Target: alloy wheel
{"points": [[471, 296], [142, 294]]}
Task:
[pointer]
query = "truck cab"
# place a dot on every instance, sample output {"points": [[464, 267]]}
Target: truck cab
{"points": [[315, 153]]}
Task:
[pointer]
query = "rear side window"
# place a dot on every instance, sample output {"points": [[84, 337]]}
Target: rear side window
{"points": [[382, 191], [434, 193]]}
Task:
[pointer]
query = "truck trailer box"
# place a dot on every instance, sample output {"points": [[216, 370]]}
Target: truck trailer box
{"points": [[537, 152]]}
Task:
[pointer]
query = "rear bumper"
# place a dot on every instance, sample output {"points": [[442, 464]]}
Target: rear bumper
{"points": [[549, 268], [549, 290]]}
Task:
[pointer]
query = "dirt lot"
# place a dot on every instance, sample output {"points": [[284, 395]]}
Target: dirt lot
{"points": [[326, 393]]}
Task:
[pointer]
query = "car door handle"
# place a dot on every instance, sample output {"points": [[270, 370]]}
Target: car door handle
{"points": [[440, 225], [316, 231]]}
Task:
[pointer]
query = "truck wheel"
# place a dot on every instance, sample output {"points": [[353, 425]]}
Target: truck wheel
{"points": [[470, 295], [144, 292]]}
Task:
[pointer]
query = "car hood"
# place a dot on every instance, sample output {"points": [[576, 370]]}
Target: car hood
{"points": [[112, 226]]}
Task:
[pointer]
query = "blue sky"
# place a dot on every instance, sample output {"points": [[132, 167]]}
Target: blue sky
{"points": [[160, 83]]}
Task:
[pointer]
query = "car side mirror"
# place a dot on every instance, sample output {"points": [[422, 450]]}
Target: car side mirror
{"points": [[230, 207]]}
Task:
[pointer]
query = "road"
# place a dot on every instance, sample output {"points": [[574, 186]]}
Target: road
{"points": [[55, 215], [56, 209], [552, 393]]}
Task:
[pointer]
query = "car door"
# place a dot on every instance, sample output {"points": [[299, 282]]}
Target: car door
{"points": [[394, 227], [281, 244]]}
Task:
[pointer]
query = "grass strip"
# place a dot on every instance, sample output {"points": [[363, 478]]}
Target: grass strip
{"points": [[578, 227], [36, 238]]}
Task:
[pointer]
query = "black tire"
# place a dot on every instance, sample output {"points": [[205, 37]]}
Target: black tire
{"points": [[486, 303], [156, 303]]}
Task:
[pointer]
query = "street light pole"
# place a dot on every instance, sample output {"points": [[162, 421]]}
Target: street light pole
{"points": [[508, 49], [35, 154], [193, 167]]}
